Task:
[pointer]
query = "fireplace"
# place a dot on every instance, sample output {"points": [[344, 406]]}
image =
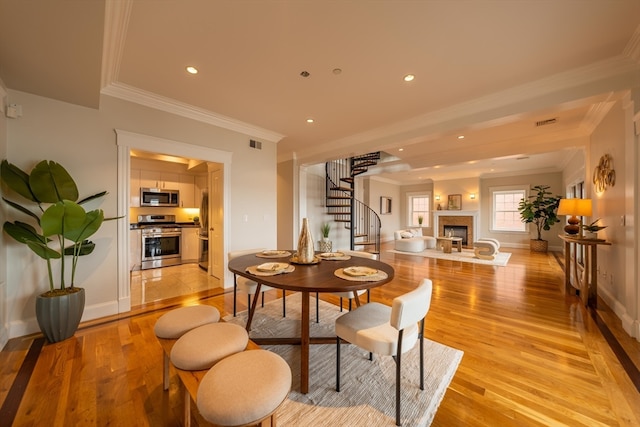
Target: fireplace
{"points": [[456, 231], [460, 223]]}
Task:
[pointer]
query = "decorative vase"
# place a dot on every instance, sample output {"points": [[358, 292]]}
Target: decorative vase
{"points": [[305, 244], [59, 316]]}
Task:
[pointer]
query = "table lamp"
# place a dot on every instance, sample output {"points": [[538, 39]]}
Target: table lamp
{"points": [[574, 208]]}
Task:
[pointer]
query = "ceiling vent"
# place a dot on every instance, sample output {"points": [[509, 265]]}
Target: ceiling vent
{"points": [[546, 122], [255, 144]]}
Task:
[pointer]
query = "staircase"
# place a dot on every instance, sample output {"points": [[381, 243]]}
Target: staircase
{"points": [[360, 219]]}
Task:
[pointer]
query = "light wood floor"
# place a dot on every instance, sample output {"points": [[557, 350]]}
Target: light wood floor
{"points": [[533, 356]]}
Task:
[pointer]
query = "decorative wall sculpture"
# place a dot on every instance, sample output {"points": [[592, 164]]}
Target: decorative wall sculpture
{"points": [[603, 175]]}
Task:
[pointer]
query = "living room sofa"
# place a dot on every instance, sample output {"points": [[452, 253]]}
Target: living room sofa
{"points": [[412, 240]]}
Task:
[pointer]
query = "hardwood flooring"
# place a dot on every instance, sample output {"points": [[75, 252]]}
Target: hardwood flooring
{"points": [[533, 355]]}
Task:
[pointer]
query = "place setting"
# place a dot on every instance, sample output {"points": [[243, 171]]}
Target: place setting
{"points": [[334, 256], [270, 269], [360, 274], [273, 253]]}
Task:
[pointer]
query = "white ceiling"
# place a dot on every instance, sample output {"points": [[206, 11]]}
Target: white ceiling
{"points": [[485, 69]]}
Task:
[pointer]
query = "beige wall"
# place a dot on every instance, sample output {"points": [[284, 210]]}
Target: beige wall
{"points": [[84, 141]]}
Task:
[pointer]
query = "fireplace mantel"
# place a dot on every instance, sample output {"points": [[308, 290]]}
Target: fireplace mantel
{"points": [[444, 213]]}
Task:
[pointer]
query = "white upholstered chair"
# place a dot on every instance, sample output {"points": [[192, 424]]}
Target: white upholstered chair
{"points": [[249, 286], [388, 331]]}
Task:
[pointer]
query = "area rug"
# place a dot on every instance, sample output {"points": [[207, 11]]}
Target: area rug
{"points": [[467, 255], [367, 396]]}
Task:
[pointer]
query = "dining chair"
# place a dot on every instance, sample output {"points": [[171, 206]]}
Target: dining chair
{"points": [[250, 286], [387, 331]]}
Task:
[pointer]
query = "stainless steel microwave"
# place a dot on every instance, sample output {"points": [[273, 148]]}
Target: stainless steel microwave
{"points": [[159, 197]]}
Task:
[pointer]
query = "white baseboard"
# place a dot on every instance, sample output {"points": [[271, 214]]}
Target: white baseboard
{"points": [[19, 328]]}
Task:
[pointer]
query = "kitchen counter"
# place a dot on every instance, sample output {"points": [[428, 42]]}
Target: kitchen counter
{"points": [[136, 226]]}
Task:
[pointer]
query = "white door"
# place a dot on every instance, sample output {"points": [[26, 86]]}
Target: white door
{"points": [[216, 225]]}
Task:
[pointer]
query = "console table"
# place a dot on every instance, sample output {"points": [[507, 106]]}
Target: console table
{"points": [[589, 286]]}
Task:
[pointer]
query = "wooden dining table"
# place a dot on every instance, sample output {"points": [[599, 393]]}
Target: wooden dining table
{"points": [[307, 279]]}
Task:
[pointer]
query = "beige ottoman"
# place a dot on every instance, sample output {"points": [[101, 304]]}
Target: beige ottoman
{"points": [[206, 345], [177, 322], [244, 389]]}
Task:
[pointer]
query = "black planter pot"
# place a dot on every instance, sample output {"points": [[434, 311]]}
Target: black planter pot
{"points": [[59, 316]]}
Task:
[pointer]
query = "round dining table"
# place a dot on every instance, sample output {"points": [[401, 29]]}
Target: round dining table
{"points": [[307, 279]]}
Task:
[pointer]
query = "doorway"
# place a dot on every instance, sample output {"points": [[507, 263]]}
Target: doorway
{"points": [[127, 141]]}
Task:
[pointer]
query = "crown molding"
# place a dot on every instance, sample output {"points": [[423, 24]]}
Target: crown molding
{"points": [[632, 50], [116, 22], [148, 99]]}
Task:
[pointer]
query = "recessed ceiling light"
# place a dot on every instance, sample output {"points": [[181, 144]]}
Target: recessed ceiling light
{"points": [[192, 70], [310, 120], [305, 73], [337, 71], [460, 136], [409, 77], [400, 149]]}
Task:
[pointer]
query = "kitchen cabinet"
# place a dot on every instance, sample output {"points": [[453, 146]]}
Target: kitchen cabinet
{"points": [[135, 250], [187, 191], [155, 179], [190, 242]]}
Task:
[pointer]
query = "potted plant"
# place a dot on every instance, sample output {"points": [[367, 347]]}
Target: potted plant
{"points": [[420, 219], [540, 208], [60, 230], [593, 229], [325, 243]]}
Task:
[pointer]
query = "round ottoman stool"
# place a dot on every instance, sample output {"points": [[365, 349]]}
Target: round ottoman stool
{"points": [[176, 322], [245, 388], [204, 346]]}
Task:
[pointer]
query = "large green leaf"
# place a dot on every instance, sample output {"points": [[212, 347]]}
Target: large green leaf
{"points": [[92, 222], [42, 250], [51, 183], [16, 179], [23, 210], [86, 247], [23, 232], [61, 218], [92, 197]]}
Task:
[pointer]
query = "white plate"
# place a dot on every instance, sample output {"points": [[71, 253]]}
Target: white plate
{"points": [[272, 266], [359, 271]]}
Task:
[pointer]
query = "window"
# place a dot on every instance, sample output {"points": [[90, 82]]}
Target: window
{"points": [[504, 210], [419, 205]]}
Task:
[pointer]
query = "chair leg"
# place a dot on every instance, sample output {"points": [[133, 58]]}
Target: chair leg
{"points": [[350, 304], [317, 308], [398, 373], [338, 364], [284, 303], [263, 299], [422, 355], [368, 295], [341, 304], [235, 292]]}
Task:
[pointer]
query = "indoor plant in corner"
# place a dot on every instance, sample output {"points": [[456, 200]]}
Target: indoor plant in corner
{"points": [[61, 229], [540, 208]]}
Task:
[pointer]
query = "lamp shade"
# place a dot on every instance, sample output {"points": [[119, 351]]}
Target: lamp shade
{"points": [[575, 207]]}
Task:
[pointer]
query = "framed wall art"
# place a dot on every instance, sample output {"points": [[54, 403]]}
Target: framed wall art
{"points": [[454, 202], [385, 205]]}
